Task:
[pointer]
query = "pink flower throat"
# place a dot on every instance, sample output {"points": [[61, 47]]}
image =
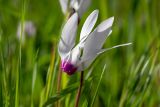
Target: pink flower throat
{"points": [[68, 67]]}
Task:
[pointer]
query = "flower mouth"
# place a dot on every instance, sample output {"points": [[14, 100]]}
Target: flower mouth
{"points": [[68, 68]]}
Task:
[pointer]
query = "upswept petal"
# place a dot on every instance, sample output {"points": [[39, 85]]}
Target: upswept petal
{"points": [[83, 6], [105, 24], [64, 5], [96, 39], [68, 36], [88, 25], [87, 62]]}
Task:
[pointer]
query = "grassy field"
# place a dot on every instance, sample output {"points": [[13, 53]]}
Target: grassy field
{"points": [[123, 77]]}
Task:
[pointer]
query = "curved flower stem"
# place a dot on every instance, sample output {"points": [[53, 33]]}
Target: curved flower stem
{"points": [[79, 90]]}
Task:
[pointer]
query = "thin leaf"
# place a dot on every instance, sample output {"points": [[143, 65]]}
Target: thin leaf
{"points": [[60, 95], [94, 97]]}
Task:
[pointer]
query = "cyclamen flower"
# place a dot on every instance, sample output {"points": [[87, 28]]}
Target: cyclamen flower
{"points": [[29, 29], [79, 6], [79, 57]]}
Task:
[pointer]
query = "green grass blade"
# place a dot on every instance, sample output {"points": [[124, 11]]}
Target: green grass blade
{"points": [[63, 93], [33, 82], [50, 74], [100, 79], [20, 55], [17, 88]]}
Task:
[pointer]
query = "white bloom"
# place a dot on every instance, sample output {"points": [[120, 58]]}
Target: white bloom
{"points": [[29, 29], [79, 6], [79, 57]]}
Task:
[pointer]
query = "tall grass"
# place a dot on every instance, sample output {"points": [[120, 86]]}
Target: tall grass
{"points": [[29, 70]]}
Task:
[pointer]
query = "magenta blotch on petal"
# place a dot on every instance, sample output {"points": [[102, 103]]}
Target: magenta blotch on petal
{"points": [[68, 67]]}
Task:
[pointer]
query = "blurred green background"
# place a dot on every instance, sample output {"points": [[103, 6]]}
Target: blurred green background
{"points": [[123, 77]]}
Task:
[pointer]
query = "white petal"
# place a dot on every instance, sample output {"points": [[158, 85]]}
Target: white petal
{"points": [[74, 4], [30, 28], [68, 36], [88, 25], [96, 39], [64, 5], [87, 62], [105, 24], [75, 55], [83, 6]]}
